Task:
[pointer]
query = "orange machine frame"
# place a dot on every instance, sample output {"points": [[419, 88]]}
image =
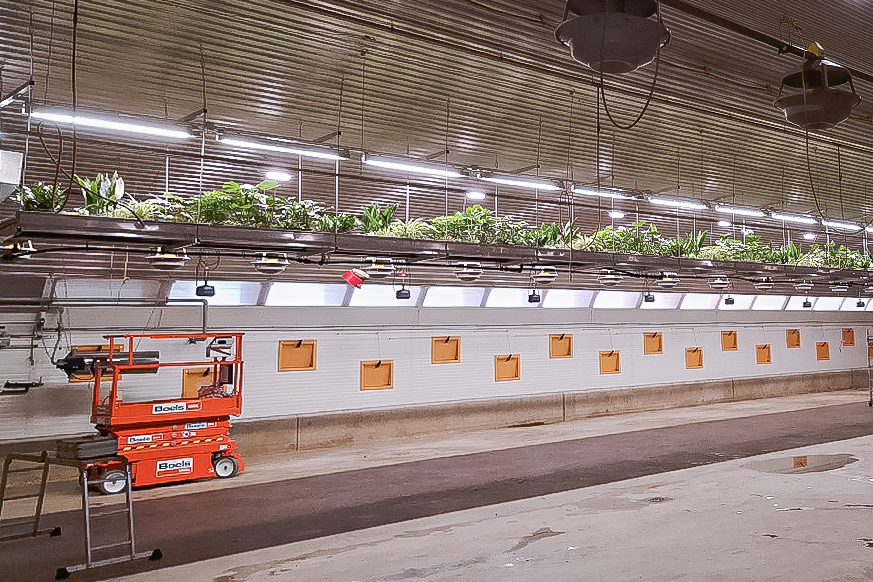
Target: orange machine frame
{"points": [[177, 439]]}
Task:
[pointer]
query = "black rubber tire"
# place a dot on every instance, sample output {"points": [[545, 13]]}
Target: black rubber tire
{"points": [[225, 467]]}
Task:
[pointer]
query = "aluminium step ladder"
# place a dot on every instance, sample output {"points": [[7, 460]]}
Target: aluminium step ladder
{"points": [[29, 526], [93, 515]]}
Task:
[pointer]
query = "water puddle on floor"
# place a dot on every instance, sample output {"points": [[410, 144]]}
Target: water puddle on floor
{"points": [[802, 463]]}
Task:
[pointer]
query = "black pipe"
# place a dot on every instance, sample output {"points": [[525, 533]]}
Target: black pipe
{"points": [[779, 45]]}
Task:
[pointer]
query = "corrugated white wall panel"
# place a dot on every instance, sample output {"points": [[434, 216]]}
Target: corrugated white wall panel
{"points": [[347, 336]]}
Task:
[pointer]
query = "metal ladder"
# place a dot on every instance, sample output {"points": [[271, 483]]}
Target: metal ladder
{"points": [[30, 525], [91, 514]]}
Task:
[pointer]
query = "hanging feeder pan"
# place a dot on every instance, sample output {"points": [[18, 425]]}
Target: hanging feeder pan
{"points": [[819, 108], [613, 42], [642, 8], [819, 104]]}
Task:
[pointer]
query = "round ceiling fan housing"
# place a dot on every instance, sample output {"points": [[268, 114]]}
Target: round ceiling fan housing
{"points": [[613, 36]]}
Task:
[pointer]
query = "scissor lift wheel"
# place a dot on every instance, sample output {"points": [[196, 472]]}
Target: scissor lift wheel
{"points": [[225, 467], [113, 481]]}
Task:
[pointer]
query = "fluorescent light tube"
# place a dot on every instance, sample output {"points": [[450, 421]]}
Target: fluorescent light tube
{"points": [[850, 226], [278, 176], [608, 193], [739, 211], [96, 123], [522, 182], [412, 166], [687, 204], [305, 150], [798, 218]]}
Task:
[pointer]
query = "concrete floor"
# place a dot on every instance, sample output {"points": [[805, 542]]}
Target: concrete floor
{"points": [[754, 518], [733, 521]]}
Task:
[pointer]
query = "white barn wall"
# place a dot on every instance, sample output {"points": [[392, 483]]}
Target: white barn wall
{"points": [[346, 336]]}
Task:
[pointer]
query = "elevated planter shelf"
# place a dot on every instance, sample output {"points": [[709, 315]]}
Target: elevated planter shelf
{"points": [[331, 252]]}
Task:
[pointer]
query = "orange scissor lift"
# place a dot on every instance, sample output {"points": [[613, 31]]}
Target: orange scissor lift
{"points": [[168, 440]]}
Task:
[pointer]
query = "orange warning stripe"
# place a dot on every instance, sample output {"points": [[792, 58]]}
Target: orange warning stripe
{"points": [[167, 444]]}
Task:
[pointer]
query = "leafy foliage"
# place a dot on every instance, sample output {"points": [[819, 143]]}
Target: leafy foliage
{"points": [[477, 225], [376, 218], [39, 196], [259, 206], [414, 229], [337, 223], [103, 194], [237, 204]]}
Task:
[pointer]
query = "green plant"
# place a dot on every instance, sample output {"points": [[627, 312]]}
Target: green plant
{"points": [[102, 194], [414, 229], [171, 208], [235, 204], [476, 224], [635, 239], [376, 218], [727, 248], [549, 235], [39, 196], [139, 209], [295, 214], [689, 246], [787, 254], [337, 223]]}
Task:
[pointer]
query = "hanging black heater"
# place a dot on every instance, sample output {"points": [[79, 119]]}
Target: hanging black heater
{"points": [[613, 36], [820, 103]]}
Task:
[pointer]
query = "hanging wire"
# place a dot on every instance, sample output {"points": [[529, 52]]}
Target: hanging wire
{"points": [[446, 148], [363, 92], [537, 190], [48, 65], [602, 92], [203, 132], [569, 169], [32, 34], [73, 88]]}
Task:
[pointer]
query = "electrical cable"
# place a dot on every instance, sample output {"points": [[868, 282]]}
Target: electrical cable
{"points": [[602, 92]]}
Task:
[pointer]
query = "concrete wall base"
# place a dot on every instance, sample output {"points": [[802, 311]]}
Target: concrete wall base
{"points": [[358, 428], [281, 436]]}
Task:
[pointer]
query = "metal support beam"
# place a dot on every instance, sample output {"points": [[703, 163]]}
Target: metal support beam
{"points": [[747, 32]]}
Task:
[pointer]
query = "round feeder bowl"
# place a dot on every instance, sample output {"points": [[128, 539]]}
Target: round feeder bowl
{"points": [[819, 108], [644, 8], [613, 43]]}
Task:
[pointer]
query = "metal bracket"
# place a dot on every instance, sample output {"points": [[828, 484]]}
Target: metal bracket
{"points": [[15, 93], [330, 135], [435, 155], [192, 116], [19, 387]]}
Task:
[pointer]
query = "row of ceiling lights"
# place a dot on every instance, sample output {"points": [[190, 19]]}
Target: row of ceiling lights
{"points": [[448, 171]]}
